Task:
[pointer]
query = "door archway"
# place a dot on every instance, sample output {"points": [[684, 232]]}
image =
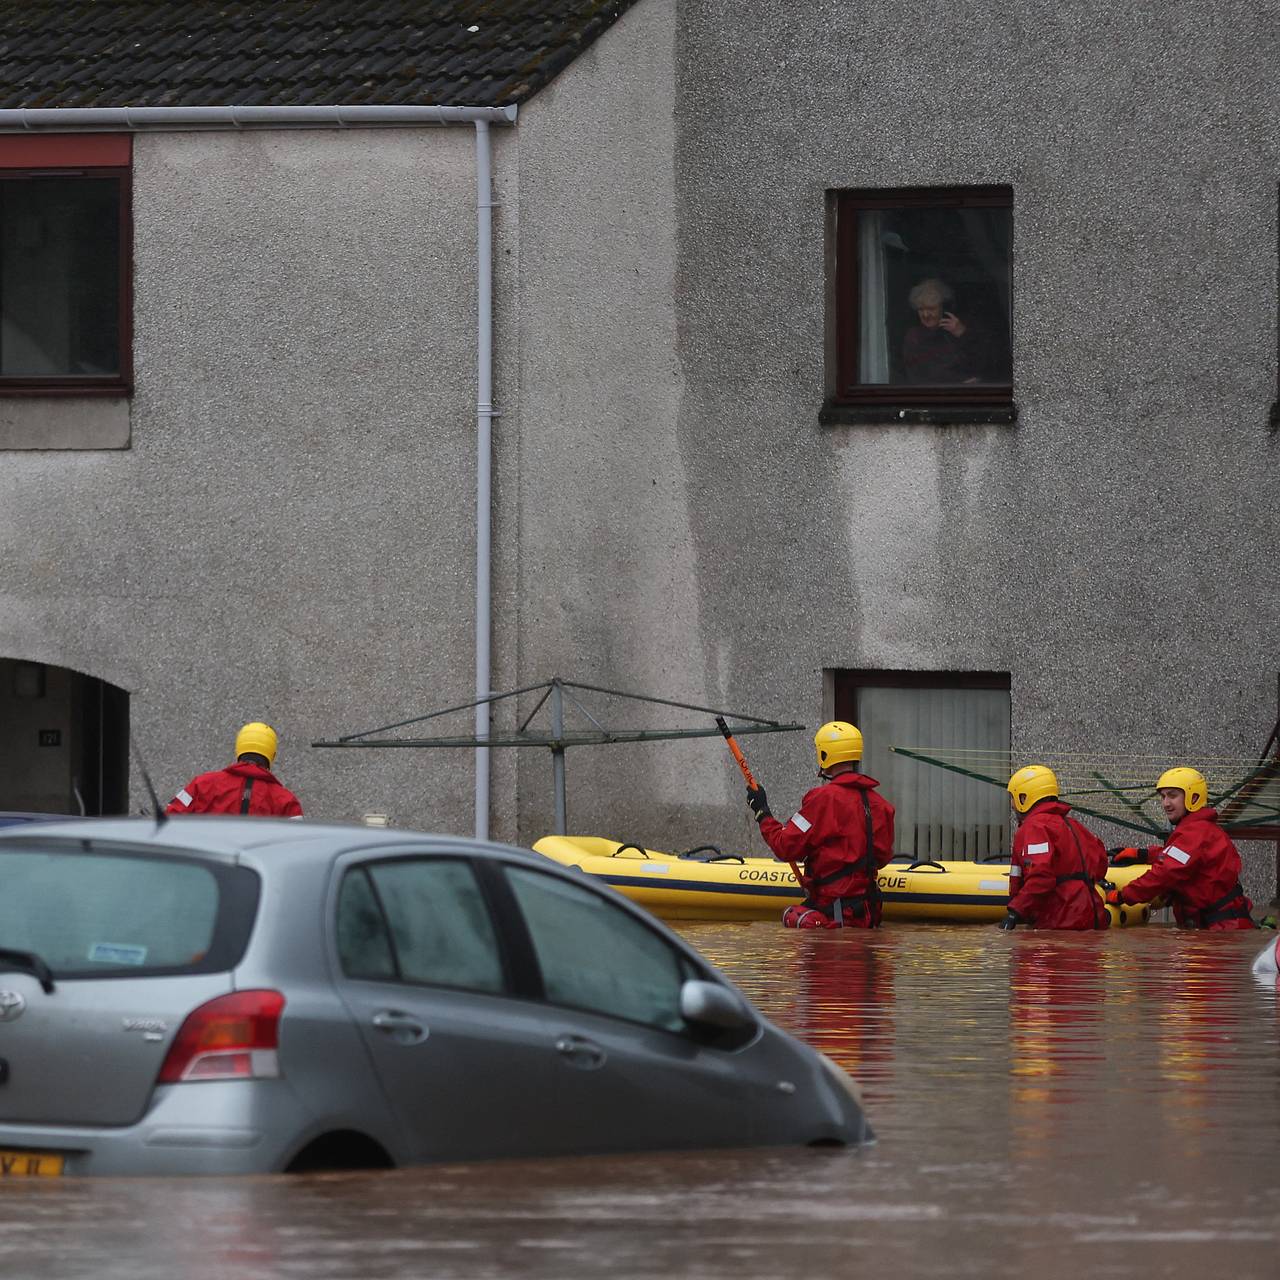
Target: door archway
{"points": [[64, 741]]}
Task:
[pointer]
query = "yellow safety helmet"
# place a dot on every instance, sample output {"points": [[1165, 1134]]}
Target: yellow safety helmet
{"points": [[1031, 784], [836, 742], [1190, 782], [258, 738]]}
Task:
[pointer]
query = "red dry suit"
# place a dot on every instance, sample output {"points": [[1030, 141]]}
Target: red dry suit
{"points": [[1198, 872], [239, 788], [829, 833], [1056, 864]]}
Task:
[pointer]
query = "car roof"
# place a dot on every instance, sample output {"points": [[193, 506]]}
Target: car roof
{"points": [[282, 841], [12, 817]]}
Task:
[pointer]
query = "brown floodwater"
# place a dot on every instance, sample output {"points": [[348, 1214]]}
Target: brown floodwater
{"points": [[1047, 1105]]}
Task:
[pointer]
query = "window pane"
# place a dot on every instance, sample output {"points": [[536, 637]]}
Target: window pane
{"points": [[934, 296], [594, 956], [439, 924], [88, 913], [364, 950], [940, 814], [59, 277]]}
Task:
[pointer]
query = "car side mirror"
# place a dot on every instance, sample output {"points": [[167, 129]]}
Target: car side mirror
{"points": [[708, 1004]]}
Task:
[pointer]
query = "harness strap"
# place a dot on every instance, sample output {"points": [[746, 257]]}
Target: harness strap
{"points": [[838, 874], [1075, 875], [1229, 907], [1226, 900], [245, 794], [1238, 912]]}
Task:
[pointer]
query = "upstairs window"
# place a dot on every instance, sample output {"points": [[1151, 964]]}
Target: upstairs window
{"points": [[923, 301], [65, 236]]}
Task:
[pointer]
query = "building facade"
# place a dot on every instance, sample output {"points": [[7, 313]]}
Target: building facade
{"points": [[720, 474]]}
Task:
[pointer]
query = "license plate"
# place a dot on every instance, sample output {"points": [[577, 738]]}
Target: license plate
{"points": [[30, 1164]]}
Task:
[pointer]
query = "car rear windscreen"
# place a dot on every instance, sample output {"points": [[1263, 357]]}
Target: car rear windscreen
{"points": [[88, 914]]}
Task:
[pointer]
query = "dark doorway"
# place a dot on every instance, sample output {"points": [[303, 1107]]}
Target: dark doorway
{"points": [[64, 741]]}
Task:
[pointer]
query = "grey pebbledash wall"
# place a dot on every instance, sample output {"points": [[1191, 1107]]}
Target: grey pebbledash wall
{"points": [[289, 532], [289, 535], [691, 528]]}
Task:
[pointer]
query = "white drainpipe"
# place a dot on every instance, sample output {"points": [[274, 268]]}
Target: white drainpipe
{"points": [[484, 457], [145, 119]]}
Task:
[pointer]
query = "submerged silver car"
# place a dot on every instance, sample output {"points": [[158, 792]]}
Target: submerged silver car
{"points": [[234, 995]]}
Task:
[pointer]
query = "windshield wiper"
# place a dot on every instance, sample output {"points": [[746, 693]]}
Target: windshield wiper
{"points": [[28, 962]]}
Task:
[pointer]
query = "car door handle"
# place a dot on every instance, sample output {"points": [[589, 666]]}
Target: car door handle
{"points": [[581, 1053], [401, 1027]]}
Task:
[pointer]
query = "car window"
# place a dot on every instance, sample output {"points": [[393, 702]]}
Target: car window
{"points": [[89, 914], [364, 946], [593, 955], [440, 927]]}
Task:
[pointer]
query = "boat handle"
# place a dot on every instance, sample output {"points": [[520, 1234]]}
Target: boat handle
{"points": [[622, 848], [714, 850], [996, 857], [927, 862]]}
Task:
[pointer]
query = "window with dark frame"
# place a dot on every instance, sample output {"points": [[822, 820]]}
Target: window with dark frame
{"points": [[65, 268], [940, 814], [923, 301]]}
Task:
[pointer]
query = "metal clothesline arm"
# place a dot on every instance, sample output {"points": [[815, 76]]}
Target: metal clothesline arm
{"points": [[537, 706], [570, 698], [547, 686], [572, 738], [683, 706], [432, 715]]}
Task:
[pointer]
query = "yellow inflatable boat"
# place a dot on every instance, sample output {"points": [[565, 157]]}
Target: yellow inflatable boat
{"points": [[706, 884]]}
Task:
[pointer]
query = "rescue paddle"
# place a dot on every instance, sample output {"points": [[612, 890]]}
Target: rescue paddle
{"points": [[752, 783]]}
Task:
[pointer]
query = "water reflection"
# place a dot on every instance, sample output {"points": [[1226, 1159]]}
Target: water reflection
{"points": [[1047, 1105]]}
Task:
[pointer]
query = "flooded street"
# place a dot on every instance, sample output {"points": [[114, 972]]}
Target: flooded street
{"points": [[1046, 1105]]}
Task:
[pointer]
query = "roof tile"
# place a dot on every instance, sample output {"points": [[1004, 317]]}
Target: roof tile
{"points": [[90, 53]]}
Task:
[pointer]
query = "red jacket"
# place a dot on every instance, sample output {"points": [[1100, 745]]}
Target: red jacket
{"points": [[1056, 863], [1198, 871], [223, 792], [829, 832]]}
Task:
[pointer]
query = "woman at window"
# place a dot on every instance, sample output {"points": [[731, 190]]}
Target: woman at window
{"points": [[941, 349]]}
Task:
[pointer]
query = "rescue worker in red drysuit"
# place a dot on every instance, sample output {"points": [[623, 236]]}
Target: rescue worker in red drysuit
{"points": [[247, 787], [1056, 862], [843, 832], [1197, 870]]}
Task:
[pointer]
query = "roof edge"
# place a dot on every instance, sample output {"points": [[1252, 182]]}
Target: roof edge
{"points": [[138, 119]]}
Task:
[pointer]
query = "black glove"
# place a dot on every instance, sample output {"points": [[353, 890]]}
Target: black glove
{"points": [[1010, 922], [759, 803]]}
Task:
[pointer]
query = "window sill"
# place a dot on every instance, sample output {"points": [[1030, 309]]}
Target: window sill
{"points": [[852, 415], [64, 422]]}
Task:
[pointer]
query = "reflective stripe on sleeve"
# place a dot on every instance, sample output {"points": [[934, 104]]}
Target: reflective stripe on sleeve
{"points": [[1177, 854], [799, 820], [1014, 871], [1038, 848], [185, 796]]}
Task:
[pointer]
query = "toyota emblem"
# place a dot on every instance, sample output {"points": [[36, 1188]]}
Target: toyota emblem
{"points": [[12, 1004]]}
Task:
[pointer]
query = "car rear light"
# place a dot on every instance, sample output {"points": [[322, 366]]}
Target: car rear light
{"points": [[234, 1037]]}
